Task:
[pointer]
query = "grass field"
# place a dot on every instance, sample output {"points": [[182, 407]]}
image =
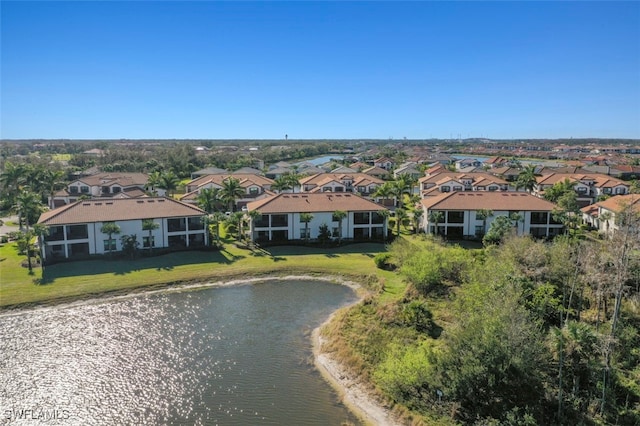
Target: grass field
{"points": [[75, 280]]}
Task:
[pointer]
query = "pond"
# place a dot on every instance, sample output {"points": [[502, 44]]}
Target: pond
{"points": [[231, 356]]}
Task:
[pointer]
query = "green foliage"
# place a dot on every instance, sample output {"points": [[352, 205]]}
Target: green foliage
{"points": [[499, 228], [407, 374], [384, 261], [324, 235], [130, 245], [416, 314], [429, 268]]}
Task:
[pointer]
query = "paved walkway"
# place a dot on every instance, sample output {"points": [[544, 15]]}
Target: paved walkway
{"points": [[5, 229]]}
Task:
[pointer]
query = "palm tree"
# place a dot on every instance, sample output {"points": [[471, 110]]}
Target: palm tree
{"points": [[384, 191], [253, 216], [435, 217], [385, 216], [401, 215], [517, 217], [527, 178], [110, 228], [417, 218], [29, 207], [208, 199], [281, 184], [154, 181], [401, 186], [231, 191], [11, 179], [214, 220], [169, 182], [306, 218], [237, 219], [149, 225], [52, 181], [606, 217], [339, 216], [484, 214]]}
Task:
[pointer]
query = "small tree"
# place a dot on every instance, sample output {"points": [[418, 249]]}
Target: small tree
{"points": [[483, 215], [339, 216], [130, 244], [516, 217], [150, 225], [498, 230], [110, 228], [435, 217], [324, 235], [401, 216], [306, 218]]}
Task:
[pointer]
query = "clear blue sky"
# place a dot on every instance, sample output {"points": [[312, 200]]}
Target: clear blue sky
{"points": [[260, 70]]}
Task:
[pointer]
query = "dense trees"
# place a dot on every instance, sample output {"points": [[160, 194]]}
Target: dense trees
{"points": [[533, 332]]}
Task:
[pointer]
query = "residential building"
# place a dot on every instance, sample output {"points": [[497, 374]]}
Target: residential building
{"points": [[255, 187], [101, 185], [603, 215], [361, 183], [74, 229], [279, 218], [456, 181], [460, 218], [587, 186]]}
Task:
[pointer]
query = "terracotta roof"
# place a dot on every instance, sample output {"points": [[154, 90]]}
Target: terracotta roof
{"points": [[323, 178], [476, 200], [600, 180], [474, 176], [618, 202], [310, 203], [245, 180], [108, 210], [122, 179]]}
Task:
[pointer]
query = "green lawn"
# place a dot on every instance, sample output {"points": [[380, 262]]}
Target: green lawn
{"points": [[66, 281]]}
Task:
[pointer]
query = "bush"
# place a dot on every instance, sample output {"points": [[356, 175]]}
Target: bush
{"points": [[383, 261]]}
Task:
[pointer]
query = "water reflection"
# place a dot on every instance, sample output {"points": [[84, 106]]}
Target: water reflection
{"points": [[231, 356]]}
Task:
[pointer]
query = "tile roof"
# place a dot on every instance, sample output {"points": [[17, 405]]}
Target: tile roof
{"points": [[246, 180], [618, 202], [486, 178], [476, 200], [108, 210], [600, 180], [310, 203], [122, 179]]}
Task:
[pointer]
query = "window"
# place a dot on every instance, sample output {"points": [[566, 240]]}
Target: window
{"points": [[73, 189], [457, 188], [176, 225], [195, 223], [479, 230], [326, 189], [339, 189], [177, 241], [334, 231], [455, 217], [493, 188], [606, 190], [116, 189], [445, 189], [262, 222], [539, 218], [110, 245], [146, 240], [279, 220], [84, 189], [77, 232], [361, 218], [305, 233], [362, 189], [377, 218], [254, 190]]}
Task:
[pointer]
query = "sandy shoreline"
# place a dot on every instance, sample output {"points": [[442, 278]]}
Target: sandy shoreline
{"points": [[352, 390]]}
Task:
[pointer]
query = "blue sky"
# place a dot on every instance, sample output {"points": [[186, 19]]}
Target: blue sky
{"points": [[335, 70]]}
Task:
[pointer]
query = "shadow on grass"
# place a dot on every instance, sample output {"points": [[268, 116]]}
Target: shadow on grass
{"points": [[165, 262]]}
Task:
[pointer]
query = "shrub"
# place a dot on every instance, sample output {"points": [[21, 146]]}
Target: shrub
{"points": [[383, 261]]}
